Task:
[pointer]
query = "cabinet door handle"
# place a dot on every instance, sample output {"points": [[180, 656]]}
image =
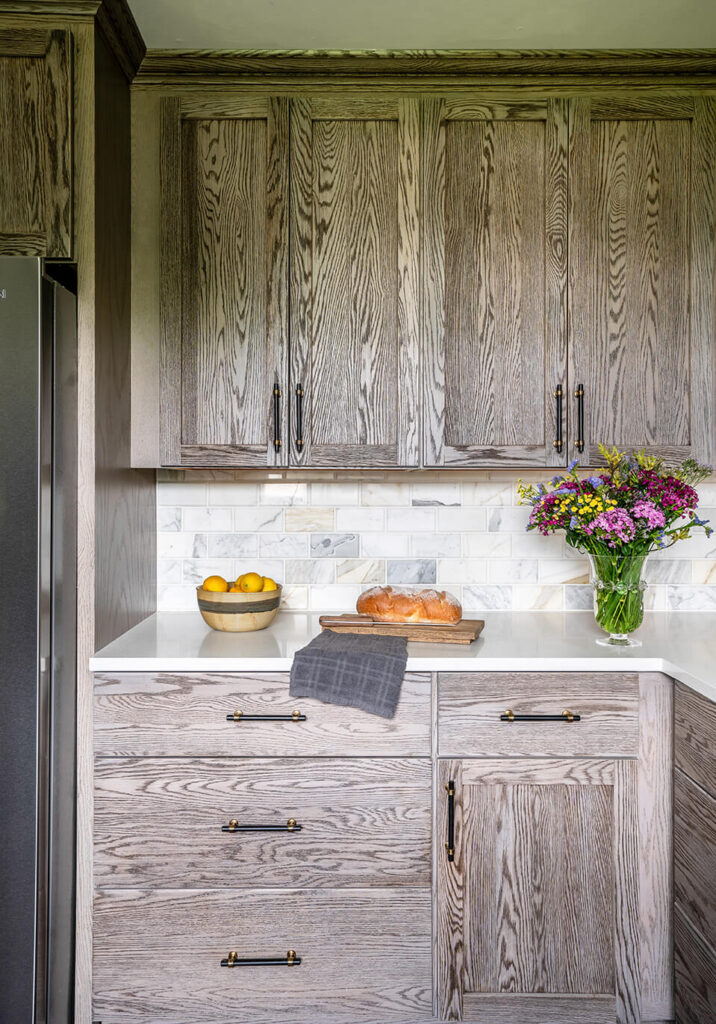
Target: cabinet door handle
{"points": [[450, 844], [579, 395], [558, 398], [239, 716], [566, 716], [276, 417], [234, 826], [234, 960], [299, 417]]}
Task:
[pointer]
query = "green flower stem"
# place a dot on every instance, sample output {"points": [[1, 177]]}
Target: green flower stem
{"points": [[618, 592]]}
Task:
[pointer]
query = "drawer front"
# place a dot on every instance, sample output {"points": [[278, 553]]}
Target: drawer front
{"points": [[695, 737], [695, 855], [470, 707], [159, 821], [186, 715], [365, 956]]}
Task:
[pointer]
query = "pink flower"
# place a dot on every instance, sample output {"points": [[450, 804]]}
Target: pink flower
{"points": [[613, 526], [648, 510]]}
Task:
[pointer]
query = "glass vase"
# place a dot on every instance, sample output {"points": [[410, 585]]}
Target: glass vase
{"points": [[619, 585]]}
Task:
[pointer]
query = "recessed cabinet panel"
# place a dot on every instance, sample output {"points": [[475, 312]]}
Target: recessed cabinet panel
{"points": [[641, 267], [495, 203]]}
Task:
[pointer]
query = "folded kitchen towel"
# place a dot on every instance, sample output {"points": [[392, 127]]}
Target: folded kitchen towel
{"points": [[363, 672]]}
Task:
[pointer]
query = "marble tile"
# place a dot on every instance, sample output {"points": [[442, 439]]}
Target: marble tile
{"points": [[308, 520], [232, 493], [691, 599], [438, 493], [208, 519], [169, 570], [360, 520], [195, 570], [668, 570], [384, 545], [703, 571], [487, 545], [294, 598], [385, 494], [334, 545], [181, 545], [478, 598], [283, 545], [233, 545], [335, 494], [281, 493], [462, 570], [176, 599], [360, 570], [513, 570], [513, 520], [435, 545], [168, 519], [563, 570], [334, 599], [537, 599], [411, 520], [578, 597], [489, 492], [309, 570], [272, 567], [461, 520], [181, 494], [534, 545], [416, 570], [258, 518]]}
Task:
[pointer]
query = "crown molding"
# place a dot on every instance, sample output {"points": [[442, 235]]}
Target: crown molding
{"points": [[116, 22]]}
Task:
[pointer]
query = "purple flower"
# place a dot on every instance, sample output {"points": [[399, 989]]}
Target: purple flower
{"points": [[647, 510], [595, 481], [573, 463], [613, 526]]}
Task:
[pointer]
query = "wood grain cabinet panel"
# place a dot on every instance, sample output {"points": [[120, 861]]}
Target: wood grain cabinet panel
{"points": [[538, 910], [470, 707], [169, 715], [695, 737], [642, 180], [224, 265], [36, 143], [355, 291], [365, 956], [695, 855], [361, 822], [495, 276], [695, 964]]}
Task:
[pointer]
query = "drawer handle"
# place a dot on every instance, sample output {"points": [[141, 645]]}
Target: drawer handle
{"points": [[234, 826], [566, 716], [450, 844], [234, 960], [239, 716]]}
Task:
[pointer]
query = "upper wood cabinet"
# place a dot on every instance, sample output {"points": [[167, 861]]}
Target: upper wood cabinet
{"points": [[355, 281], [224, 267], [35, 143], [642, 274], [495, 281]]}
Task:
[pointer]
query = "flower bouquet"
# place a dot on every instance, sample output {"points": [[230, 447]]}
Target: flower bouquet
{"points": [[617, 517]]}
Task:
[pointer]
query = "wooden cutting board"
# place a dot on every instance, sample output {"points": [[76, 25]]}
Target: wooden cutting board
{"points": [[464, 632]]}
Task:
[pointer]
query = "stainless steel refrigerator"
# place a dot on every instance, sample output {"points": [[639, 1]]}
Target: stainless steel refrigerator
{"points": [[38, 589]]}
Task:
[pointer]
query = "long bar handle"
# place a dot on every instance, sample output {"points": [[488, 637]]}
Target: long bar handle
{"points": [[579, 395], [234, 826], [450, 844], [299, 417], [234, 960], [239, 716], [558, 398], [566, 716], [276, 417]]}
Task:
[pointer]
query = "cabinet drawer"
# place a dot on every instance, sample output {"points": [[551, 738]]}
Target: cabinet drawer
{"points": [[365, 956], [186, 715], [158, 822], [470, 706]]}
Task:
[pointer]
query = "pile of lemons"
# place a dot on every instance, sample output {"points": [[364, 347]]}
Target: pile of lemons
{"points": [[248, 583]]}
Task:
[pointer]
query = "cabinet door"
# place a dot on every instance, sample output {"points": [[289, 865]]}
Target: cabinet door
{"points": [[354, 282], [642, 275], [495, 282], [35, 143], [537, 912], [224, 265]]}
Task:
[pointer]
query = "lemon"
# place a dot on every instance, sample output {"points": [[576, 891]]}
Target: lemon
{"points": [[250, 582], [234, 589], [215, 583], [269, 584]]}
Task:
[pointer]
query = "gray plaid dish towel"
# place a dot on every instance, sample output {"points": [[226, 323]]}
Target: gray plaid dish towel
{"points": [[363, 672]]}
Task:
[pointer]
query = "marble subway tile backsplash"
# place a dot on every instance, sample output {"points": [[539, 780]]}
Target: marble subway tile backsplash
{"points": [[326, 540]]}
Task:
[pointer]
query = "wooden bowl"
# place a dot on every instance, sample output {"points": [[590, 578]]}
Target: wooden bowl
{"points": [[238, 613]]}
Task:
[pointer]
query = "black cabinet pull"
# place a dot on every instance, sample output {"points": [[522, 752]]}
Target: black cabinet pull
{"points": [[450, 844], [299, 417], [234, 960], [579, 395], [566, 716], [558, 397], [239, 716], [234, 826], [276, 417]]}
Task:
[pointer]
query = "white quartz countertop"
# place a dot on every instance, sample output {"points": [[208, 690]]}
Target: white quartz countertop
{"points": [[681, 644]]}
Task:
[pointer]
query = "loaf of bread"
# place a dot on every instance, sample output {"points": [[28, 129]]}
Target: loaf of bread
{"points": [[390, 604]]}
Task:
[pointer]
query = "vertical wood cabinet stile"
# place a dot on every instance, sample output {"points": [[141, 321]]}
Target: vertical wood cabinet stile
{"points": [[224, 279], [494, 280], [641, 224], [355, 272]]}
